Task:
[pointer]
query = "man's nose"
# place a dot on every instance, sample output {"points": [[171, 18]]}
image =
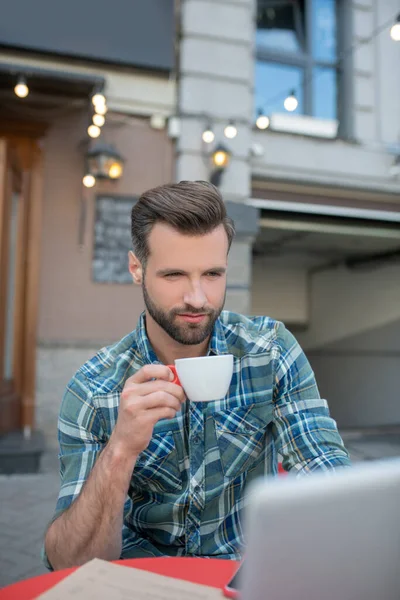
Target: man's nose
{"points": [[195, 296]]}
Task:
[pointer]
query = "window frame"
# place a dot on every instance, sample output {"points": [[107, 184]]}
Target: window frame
{"points": [[307, 62]]}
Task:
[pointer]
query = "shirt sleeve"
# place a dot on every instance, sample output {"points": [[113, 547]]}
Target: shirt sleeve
{"points": [[81, 438], [306, 436]]}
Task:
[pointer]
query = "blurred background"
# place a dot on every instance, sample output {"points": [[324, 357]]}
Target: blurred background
{"points": [[292, 107]]}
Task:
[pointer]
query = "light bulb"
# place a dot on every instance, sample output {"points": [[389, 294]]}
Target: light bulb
{"points": [[89, 181], [395, 32], [98, 100], [115, 170], [21, 89], [220, 158], [230, 131], [100, 109], [94, 131], [98, 120], [208, 136], [262, 121], [291, 102]]}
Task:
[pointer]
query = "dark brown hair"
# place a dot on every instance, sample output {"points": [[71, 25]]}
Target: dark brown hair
{"points": [[190, 207]]}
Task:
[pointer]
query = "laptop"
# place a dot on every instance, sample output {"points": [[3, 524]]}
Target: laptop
{"points": [[326, 536]]}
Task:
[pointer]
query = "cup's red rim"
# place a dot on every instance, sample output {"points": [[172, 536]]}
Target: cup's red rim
{"points": [[176, 378]]}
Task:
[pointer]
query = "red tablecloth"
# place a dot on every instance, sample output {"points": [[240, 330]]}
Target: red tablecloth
{"points": [[207, 571]]}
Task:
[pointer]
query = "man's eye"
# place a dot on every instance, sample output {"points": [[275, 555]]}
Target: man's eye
{"points": [[168, 275], [213, 274]]}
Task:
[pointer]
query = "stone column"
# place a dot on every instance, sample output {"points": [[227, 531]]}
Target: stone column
{"points": [[215, 83]]}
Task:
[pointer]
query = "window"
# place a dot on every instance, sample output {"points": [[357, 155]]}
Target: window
{"points": [[296, 42]]}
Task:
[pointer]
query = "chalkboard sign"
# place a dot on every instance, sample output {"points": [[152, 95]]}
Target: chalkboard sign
{"points": [[112, 239]]}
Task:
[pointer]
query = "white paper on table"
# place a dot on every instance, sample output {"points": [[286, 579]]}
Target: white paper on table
{"points": [[102, 580]]}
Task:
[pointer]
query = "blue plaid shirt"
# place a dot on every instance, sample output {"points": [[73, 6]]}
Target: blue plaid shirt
{"points": [[188, 487]]}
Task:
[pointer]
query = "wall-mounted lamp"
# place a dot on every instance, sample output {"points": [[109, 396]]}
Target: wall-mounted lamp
{"points": [[103, 162], [220, 159]]}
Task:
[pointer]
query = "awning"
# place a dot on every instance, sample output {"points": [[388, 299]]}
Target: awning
{"points": [[324, 230], [49, 90]]}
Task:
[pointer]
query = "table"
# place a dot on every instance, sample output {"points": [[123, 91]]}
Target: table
{"points": [[208, 571]]}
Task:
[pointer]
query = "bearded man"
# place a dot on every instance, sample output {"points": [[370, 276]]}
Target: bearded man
{"points": [[145, 472]]}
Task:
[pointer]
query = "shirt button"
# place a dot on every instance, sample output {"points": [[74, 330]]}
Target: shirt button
{"points": [[197, 489], [196, 439]]}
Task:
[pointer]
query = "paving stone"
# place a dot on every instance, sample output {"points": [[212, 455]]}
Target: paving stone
{"points": [[27, 503]]}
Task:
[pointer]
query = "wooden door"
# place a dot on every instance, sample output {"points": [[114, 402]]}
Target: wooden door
{"points": [[20, 202]]}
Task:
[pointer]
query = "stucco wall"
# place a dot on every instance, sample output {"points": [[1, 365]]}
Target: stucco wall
{"points": [[74, 309]]}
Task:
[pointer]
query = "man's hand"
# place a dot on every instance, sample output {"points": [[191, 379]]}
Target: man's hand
{"points": [[91, 527], [147, 397]]}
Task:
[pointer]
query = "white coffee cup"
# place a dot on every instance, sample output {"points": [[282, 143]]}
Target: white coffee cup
{"points": [[205, 378]]}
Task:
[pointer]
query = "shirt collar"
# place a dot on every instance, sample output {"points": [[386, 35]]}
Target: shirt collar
{"points": [[217, 344]]}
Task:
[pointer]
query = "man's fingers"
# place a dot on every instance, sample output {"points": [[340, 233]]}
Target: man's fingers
{"points": [[149, 372], [159, 399], [157, 414], [144, 389]]}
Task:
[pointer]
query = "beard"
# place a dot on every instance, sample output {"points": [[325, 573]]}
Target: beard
{"points": [[189, 334]]}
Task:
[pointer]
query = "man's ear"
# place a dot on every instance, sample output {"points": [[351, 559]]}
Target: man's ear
{"points": [[135, 268]]}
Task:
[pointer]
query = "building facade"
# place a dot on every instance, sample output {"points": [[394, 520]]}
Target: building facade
{"points": [[324, 255], [314, 191], [58, 305]]}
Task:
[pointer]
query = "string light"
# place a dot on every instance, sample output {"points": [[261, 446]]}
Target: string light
{"points": [[395, 30], [98, 120], [262, 121], [230, 130], [101, 109], [291, 102], [208, 135], [98, 100], [89, 181], [21, 89], [94, 131]]}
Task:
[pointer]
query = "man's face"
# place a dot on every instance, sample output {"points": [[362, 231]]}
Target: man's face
{"points": [[184, 282]]}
